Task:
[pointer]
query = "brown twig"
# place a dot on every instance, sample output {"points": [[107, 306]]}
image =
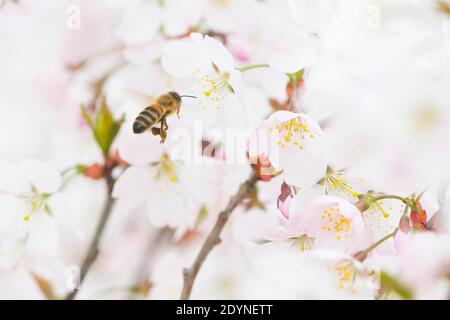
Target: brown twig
{"points": [[94, 245], [213, 238]]}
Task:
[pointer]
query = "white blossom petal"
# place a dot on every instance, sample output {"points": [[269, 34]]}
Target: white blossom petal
{"points": [[42, 240], [13, 179], [295, 58], [134, 184], [12, 210], [181, 59], [215, 50], [42, 175], [235, 81], [179, 16], [304, 169], [139, 149]]}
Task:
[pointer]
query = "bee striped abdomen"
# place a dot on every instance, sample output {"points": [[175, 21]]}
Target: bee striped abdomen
{"points": [[147, 118]]}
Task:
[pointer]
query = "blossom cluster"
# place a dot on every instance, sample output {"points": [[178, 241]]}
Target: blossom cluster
{"points": [[340, 109]]}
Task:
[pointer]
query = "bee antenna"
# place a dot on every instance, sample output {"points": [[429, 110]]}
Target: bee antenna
{"points": [[188, 96]]}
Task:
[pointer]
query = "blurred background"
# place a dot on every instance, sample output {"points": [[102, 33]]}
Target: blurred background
{"points": [[374, 74]]}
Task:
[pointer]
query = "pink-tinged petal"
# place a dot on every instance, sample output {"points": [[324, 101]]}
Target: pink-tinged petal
{"points": [[335, 223], [133, 185], [283, 116], [142, 53], [424, 259], [13, 179], [139, 149], [43, 236], [254, 226], [400, 240], [300, 203], [280, 117], [303, 169], [291, 142], [239, 49], [264, 226], [284, 207], [44, 177]]}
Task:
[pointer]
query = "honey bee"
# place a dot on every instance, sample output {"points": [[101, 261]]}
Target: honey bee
{"points": [[156, 112]]}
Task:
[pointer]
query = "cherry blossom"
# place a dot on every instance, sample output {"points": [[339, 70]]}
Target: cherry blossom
{"points": [[309, 158], [210, 66], [32, 207], [288, 139], [166, 186]]}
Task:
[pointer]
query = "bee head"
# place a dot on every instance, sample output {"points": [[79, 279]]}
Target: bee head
{"points": [[175, 95]]}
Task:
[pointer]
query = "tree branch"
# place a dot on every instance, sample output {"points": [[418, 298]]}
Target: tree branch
{"points": [[94, 246], [213, 237]]}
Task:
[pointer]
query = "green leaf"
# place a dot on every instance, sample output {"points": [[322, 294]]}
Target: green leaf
{"points": [[86, 116], [104, 123], [105, 128], [296, 76]]}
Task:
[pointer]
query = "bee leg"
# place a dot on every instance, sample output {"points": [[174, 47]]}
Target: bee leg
{"points": [[163, 130], [163, 136], [155, 131], [178, 112]]}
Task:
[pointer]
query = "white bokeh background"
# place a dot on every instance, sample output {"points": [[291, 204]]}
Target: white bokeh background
{"points": [[373, 97]]}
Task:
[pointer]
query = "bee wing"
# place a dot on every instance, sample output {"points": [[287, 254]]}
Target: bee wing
{"points": [[146, 98]]}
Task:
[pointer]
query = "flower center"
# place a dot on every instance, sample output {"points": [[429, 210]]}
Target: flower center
{"points": [[166, 170], [35, 202], [345, 273], [304, 243], [334, 222], [294, 132], [335, 181], [213, 86]]}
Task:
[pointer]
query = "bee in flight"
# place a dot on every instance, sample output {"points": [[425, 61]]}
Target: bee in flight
{"points": [[156, 112]]}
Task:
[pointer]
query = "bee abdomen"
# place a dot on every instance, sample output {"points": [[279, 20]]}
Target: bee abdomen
{"points": [[147, 118]]}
